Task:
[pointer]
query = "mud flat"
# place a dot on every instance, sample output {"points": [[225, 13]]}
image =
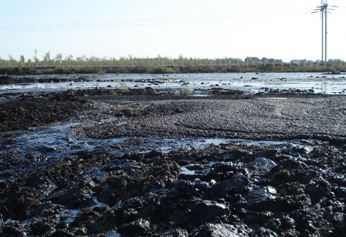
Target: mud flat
{"points": [[252, 118], [278, 168]]}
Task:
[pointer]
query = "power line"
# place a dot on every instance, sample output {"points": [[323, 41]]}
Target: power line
{"points": [[65, 7], [308, 29], [152, 21]]}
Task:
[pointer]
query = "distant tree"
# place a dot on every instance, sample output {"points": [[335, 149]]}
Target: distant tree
{"points": [[68, 60], [12, 61], [29, 62], [252, 59], [22, 59], [36, 60], [80, 60], [93, 59], [58, 57], [47, 57]]}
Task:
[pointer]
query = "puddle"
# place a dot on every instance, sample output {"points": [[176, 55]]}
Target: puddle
{"points": [[263, 82], [68, 216], [259, 143], [273, 98], [185, 170], [195, 169], [29, 150], [112, 233]]}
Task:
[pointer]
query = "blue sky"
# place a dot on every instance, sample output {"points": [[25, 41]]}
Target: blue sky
{"points": [[148, 28]]}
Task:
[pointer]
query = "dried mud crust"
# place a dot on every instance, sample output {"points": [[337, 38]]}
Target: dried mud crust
{"points": [[255, 118]]}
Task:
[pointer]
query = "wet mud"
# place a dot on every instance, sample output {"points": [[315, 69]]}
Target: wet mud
{"points": [[253, 118], [4, 80], [292, 186]]}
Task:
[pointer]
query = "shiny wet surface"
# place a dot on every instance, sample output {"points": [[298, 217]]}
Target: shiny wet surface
{"points": [[248, 82], [55, 180]]}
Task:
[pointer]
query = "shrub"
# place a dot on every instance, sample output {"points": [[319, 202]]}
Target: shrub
{"points": [[185, 91], [333, 71], [12, 70], [162, 70], [48, 71], [139, 70], [124, 88]]}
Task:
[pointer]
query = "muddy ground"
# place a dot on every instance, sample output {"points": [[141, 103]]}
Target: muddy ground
{"points": [[4, 80], [293, 188]]}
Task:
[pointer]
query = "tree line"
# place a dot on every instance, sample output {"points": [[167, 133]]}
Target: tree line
{"points": [[161, 64]]}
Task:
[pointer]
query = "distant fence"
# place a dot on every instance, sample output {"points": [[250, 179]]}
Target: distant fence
{"points": [[173, 63]]}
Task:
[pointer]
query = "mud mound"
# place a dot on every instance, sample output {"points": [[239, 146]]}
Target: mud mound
{"points": [[256, 118], [32, 111]]}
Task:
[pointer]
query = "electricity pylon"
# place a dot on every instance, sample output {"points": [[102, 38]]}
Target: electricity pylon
{"points": [[323, 8]]}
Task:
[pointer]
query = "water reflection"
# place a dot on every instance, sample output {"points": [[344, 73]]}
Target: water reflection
{"points": [[248, 82], [30, 150]]}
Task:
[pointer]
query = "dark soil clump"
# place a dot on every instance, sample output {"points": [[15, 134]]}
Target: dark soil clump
{"points": [[279, 190], [292, 187], [32, 111]]}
